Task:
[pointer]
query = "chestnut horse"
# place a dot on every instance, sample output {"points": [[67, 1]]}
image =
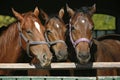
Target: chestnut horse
{"points": [[55, 30], [106, 49], [56, 35], [25, 35], [102, 50]]}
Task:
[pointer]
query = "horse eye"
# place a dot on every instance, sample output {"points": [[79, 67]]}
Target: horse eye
{"points": [[72, 28], [29, 32], [48, 31]]}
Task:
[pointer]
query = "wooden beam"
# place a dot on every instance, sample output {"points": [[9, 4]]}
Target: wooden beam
{"points": [[95, 65]]}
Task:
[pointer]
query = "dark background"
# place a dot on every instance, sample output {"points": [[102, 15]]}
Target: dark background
{"points": [[111, 7]]}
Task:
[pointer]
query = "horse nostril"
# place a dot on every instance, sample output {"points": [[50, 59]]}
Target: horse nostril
{"points": [[44, 57], [60, 53]]}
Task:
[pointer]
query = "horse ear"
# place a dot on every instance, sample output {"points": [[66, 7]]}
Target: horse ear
{"points": [[44, 15], [61, 13], [92, 9], [69, 10], [36, 11], [17, 15]]}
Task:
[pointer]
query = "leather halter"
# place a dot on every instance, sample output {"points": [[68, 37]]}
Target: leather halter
{"points": [[29, 42], [74, 43], [53, 42], [56, 41]]}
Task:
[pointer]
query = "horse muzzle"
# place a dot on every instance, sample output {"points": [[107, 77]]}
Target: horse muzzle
{"points": [[83, 57], [45, 61], [62, 55]]}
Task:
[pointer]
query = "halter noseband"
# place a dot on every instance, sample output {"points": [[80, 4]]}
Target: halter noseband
{"points": [[29, 42], [53, 42]]}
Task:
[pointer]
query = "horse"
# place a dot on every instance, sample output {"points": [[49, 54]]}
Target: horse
{"points": [[55, 30], [78, 39], [106, 49], [88, 49], [25, 37]]}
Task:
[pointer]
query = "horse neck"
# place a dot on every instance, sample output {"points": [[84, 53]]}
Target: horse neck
{"points": [[9, 42], [71, 49], [102, 54]]}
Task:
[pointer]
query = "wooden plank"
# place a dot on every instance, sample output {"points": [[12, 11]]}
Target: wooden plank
{"points": [[100, 65], [61, 65]]}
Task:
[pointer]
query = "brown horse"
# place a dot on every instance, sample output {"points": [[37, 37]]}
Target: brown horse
{"points": [[79, 37], [26, 35], [106, 49], [80, 32], [55, 29], [56, 35]]}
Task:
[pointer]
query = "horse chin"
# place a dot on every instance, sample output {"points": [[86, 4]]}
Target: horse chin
{"points": [[45, 64], [62, 58], [84, 61]]}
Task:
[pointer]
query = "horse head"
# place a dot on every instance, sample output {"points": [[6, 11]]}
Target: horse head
{"points": [[80, 31], [55, 34], [31, 33]]}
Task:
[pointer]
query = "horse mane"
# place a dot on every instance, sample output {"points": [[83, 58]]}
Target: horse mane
{"points": [[2, 29], [109, 36], [5, 40], [53, 16], [83, 9]]}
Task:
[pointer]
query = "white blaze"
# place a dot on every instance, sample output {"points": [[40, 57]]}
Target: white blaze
{"points": [[37, 26], [83, 21], [57, 25]]}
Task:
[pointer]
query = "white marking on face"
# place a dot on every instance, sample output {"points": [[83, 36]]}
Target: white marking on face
{"points": [[37, 26], [57, 25], [83, 21]]}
